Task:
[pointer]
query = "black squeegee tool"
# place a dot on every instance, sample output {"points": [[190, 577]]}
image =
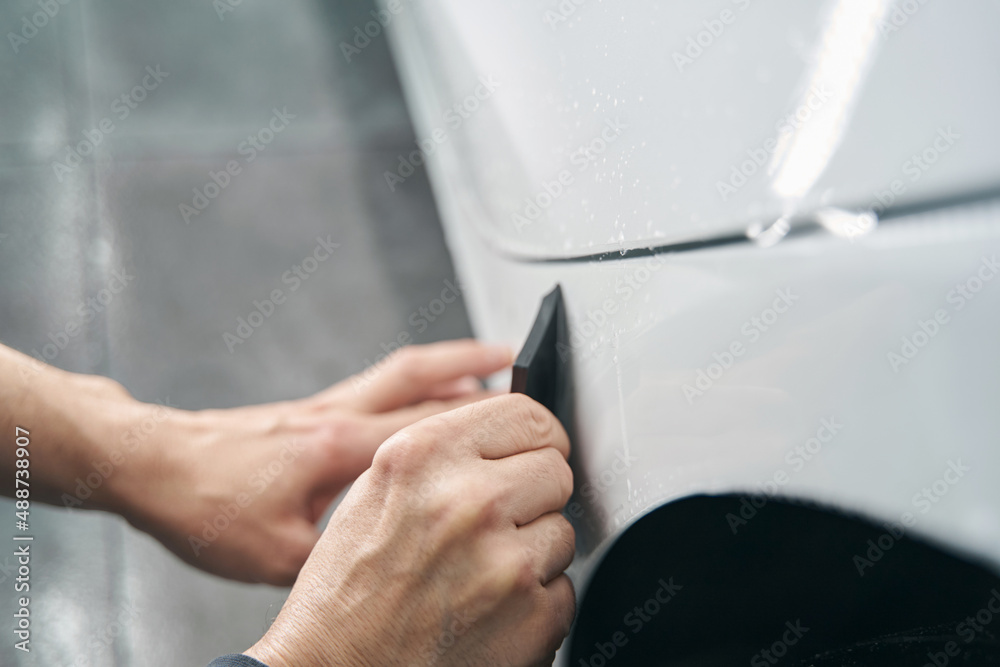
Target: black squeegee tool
{"points": [[542, 369]]}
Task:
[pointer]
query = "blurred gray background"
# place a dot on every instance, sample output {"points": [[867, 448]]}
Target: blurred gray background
{"points": [[104, 594]]}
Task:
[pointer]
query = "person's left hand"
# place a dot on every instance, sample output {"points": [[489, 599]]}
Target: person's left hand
{"points": [[239, 492]]}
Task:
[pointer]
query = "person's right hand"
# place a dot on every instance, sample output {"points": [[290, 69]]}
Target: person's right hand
{"points": [[449, 550]]}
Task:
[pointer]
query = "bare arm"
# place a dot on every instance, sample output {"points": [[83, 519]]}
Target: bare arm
{"points": [[235, 492], [70, 418]]}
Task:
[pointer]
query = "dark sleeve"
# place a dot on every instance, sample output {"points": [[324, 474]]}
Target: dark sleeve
{"points": [[236, 660]]}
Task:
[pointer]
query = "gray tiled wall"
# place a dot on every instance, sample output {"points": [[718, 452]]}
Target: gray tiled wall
{"points": [[103, 593]]}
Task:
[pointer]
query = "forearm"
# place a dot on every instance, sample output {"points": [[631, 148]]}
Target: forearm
{"points": [[74, 422], [236, 492]]}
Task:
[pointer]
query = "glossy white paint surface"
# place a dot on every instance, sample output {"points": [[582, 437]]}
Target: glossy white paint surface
{"points": [[825, 358], [644, 138], [645, 328]]}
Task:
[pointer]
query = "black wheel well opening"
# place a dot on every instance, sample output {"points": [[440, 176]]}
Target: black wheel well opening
{"points": [[697, 582]]}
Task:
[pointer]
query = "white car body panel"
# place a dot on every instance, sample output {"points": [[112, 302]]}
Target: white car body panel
{"points": [[685, 131], [645, 325]]}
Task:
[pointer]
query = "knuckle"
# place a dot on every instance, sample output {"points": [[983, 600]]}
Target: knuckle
{"points": [[557, 539], [552, 473], [564, 535], [489, 509], [516, 573], [538, 422], [458, 518], [480, 501], [464, 508], [566, 611], [558, 608], [570, 534], [525, 575], [557, 472], [530, 419], [399, 454], [565, 477]]}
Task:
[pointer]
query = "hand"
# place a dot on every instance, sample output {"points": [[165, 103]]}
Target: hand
{"points": [[238, 492], [449, 550]]}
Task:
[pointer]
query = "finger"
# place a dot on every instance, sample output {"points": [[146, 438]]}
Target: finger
{"points": [[454, 388], [380, 426], [414, 373], [551, 543], [506, 425], [540, 630], [338, 396], [559, 608], [532, 484]]}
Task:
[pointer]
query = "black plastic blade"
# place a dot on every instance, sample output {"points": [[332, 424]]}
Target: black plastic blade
{"points": [[542, 369]]}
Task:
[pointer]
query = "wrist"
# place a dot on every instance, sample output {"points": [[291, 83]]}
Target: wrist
{"points": [[280, 652], [118, 450], [297, 640], [135, 455], [150, 469], [82, 414]]}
